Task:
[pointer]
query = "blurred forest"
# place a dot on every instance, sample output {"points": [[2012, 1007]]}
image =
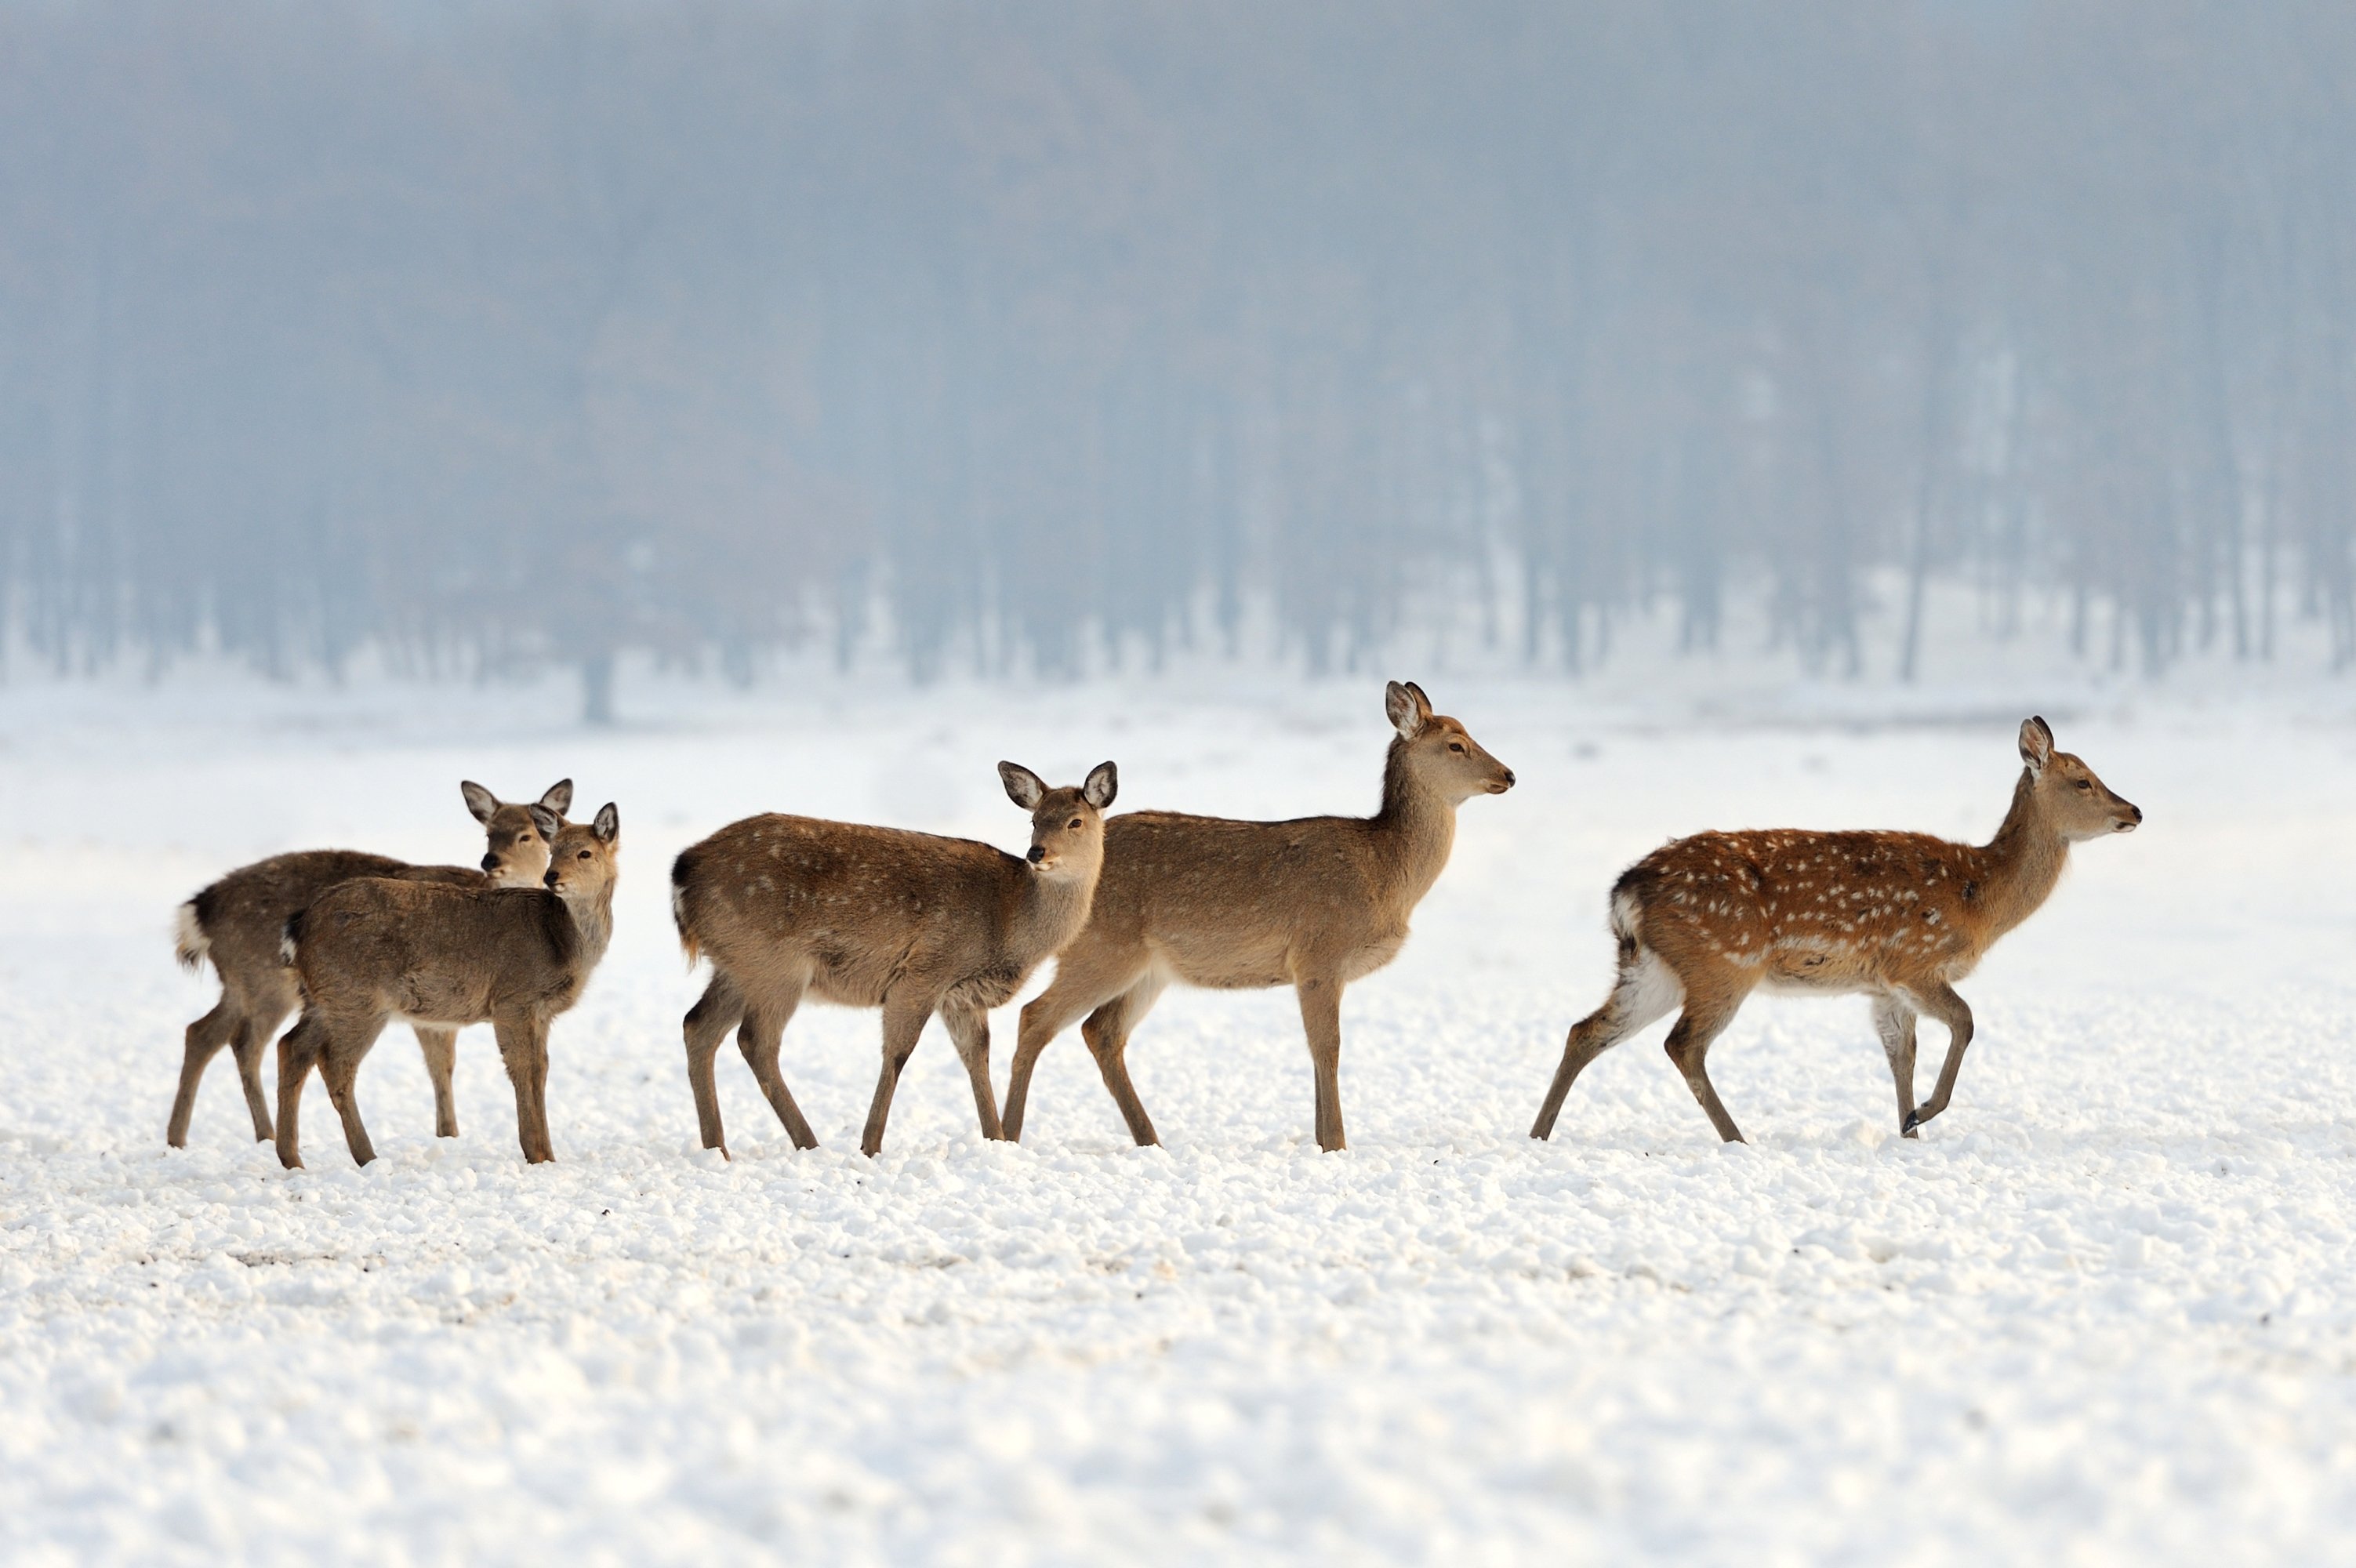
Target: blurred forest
{"points": [[492, 334]]}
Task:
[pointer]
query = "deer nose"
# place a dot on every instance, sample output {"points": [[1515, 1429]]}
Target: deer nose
{"points": [[1038, 853], [1509, 778], [550, 880], [2137, 813], [490, 862]]}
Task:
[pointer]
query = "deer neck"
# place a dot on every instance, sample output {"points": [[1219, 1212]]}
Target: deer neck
{"points": [[1052, 911], [1415, 829], [593, 920], [2024, 861]]}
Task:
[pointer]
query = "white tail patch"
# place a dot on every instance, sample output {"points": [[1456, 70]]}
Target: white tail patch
{"points": [[1648, 989], [678, 921], [286, 947], [1627, 916], [189, 941]]}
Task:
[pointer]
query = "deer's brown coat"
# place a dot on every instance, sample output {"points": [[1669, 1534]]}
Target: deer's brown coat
{"points": [[374, 949], [1314, 903], [788, 907], [238, 924], [1901, 917]]}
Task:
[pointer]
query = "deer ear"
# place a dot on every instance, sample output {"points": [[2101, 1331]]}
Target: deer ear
{"points": [[1405, 707], [1103, 783], [544, 820], [558, 797], [2036, 744], [479, 800], [1022, 786], [608, 825]]}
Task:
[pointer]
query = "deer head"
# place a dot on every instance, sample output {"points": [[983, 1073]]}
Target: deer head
{"points": [[1440, 753], [2066, 792]]}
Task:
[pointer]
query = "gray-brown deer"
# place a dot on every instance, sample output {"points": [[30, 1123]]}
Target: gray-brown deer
{"points": [[239, 922], [1314, 903], [1900, 917], [788, 907], [378, 949]]}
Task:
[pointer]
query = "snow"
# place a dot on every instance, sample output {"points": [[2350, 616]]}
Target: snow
{"points": [[2104, 1312]]}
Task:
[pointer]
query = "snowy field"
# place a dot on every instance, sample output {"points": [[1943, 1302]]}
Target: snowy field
{"points": [[2104, 1312]]}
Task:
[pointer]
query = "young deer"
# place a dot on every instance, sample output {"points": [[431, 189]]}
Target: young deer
{"points": [[863, 917], [379, 949], [239, 920], [1312, 903], [1704, 920]]}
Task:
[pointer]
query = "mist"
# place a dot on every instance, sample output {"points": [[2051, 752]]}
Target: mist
{"points": [[1029, 340]]}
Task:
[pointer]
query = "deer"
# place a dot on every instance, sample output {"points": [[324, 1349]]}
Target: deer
{"points": [[787, 907], [237, 924], [1314, 903], [1899, 917], [445, 954]]}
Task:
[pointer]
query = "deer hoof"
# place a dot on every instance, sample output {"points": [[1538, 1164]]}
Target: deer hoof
{"points": [[1912, 1123]]}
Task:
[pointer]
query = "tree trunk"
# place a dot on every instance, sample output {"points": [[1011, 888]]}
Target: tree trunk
{"points": [[597, 689]]}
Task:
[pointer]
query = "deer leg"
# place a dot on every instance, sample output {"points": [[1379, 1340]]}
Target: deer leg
{"points": [[1107, 1032], [1321, 1018], [297, 1053], [538, 1027], [1893, 1021], [203, 1041], [441, 1048], [526, 1059], [1941, 1002], [903, 1022], [763, 1031], [340, 1068], [1688, 1047], [247, 1048], [706, 1024], [969, 1028], [1085, 977], [1645, 990]]}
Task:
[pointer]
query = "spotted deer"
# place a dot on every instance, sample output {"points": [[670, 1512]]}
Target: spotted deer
{"points": [[1900, 917], [788, 907], [237, 922], [1314, 903], [447, 955]]}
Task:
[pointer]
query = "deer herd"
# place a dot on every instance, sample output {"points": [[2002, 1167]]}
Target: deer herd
{"points": [[916, 926]]}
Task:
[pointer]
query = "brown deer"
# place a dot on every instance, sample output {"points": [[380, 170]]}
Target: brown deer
{"points": [[1703, 921], [1314, 903], [378, 949], [789, 907], [239, 921]]}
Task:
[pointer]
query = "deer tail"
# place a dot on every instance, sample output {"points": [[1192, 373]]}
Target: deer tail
{"points": [[681, 870], [190, 944], [1628, 912]]}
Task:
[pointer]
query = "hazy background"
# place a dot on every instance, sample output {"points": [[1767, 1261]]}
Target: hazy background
{"points": [[1013, 338]]}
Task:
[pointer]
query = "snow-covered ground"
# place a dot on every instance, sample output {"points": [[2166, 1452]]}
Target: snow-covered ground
{"points": [[2104, 1312]]}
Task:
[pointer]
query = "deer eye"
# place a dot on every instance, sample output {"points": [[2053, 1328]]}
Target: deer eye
{"points": [[2085, 785], [584, 854], [1076, 821], [1457, 746]]}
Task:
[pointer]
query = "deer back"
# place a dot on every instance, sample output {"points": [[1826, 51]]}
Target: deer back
{"points": [[1243, 904], [1226, 903], [437, 950], [239, 918], [844, 908], [1813, 910]]}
